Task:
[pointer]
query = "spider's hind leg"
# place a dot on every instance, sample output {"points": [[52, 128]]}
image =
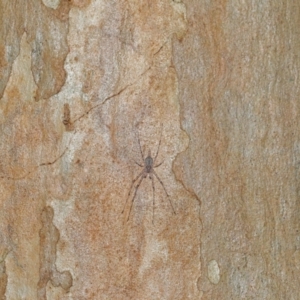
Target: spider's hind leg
{"points": [[133, 181], [168, 196], [135, 191], [153, 190]]}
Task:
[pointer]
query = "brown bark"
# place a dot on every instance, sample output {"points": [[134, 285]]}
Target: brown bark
{"points": [[89, 89]]}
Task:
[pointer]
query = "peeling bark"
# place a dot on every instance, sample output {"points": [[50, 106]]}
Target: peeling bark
{"points": [[49, 237]]}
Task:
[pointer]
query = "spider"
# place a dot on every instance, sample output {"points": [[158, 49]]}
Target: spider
{"points": [[148, 170]]}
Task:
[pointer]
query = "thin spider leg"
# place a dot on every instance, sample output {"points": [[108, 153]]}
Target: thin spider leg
{"points": [[158, 164], [138, 164], [158, 146], [153, 189], [136, 188], [165, 191], [133, 181], [138, 137]]}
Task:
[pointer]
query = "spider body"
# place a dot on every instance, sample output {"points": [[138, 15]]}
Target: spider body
{"points": [[148, 170], [148, 164]]}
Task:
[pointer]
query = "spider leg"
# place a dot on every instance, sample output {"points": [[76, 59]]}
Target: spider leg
{"points": [[158, 164], [158, 145], [136, 188], [153, 189], [138, 137], [138, 164], [133, 181], [165, 191]]}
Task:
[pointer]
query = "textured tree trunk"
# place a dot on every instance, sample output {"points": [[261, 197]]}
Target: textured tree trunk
{"points": [[149, 149]]}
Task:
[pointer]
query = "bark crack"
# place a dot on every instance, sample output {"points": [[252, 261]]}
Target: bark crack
{"points": [[112, 96], [34, 169]]}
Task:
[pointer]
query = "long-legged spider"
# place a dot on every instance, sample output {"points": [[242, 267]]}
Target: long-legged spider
{"points": [[148, 170]]}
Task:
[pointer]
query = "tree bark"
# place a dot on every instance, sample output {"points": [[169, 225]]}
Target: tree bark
{"points": [[149, 150]]}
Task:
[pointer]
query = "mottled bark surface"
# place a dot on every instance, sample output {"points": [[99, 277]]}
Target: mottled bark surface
{"points": [[89, 89], [238, 80]]}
